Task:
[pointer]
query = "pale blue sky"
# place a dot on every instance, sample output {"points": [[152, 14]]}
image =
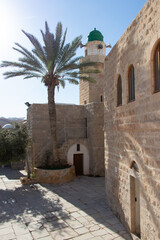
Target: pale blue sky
{"points": [[111, 17]]}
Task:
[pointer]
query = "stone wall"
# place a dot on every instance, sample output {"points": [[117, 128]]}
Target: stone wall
{"points": [[132, 131], [93, 92], [39, 132], [95, 124], [91, 49], [76, 124], [70, 125], [71, 122]]}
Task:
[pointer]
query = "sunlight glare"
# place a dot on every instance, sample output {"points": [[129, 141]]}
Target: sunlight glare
{"points": [[7, 23]]}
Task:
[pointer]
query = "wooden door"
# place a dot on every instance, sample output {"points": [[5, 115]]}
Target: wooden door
{"points": [[78, 163], [135, 206]]}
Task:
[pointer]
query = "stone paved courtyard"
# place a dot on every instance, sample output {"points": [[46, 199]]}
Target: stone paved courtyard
{"points": [[75, 210]]}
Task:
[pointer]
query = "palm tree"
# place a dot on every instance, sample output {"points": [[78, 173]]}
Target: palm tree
{"points": [[55, 63]]}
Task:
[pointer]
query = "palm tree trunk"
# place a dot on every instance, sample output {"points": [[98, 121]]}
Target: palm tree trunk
{"points": [[52, 119]]}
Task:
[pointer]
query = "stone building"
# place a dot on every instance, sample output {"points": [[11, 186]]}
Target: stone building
{"points": [[79, 127], [132, 125], [117, 122]]}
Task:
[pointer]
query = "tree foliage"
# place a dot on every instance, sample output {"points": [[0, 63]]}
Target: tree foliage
{"points": [[55, 63], [13, 144]]}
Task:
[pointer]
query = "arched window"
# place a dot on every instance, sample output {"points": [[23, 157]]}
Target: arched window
{"points": [[131, 83], [157, 69], [119, 91]]}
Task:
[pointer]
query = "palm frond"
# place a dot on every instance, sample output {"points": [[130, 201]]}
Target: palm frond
{"points": [[77, 73], [60, 53], [49, 46], [27, 74], [74, 74], [75, 44], [87, 78], [38, 51], [71, 65], [87, 64], [33, 75], [54, 60], [63, 54], [20, 65], [62, 83], [72, 80], [58, 35], [63, 40], [14, 74], [29, 57], [23, 50], [33, 63], [74, 64], [71, 51], [68, 52], [88, 71]]}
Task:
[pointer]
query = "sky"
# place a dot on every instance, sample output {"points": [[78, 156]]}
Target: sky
{"points": [[80, 17]]}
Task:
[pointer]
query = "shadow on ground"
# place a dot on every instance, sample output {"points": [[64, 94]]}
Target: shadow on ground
{"points": [[88, 194], [56, 206], [28, 203], [10, 173]]}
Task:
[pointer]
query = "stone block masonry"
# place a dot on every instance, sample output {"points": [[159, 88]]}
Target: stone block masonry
{"points": [[132, 132], [95, 118], [127, 135], [70, 125], [93, 92], [76, 124]]}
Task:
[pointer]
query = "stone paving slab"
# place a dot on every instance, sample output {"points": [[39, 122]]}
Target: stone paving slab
{"points": [[75, 211]]}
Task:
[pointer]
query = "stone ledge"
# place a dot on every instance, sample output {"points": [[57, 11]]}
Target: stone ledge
{"points": [[55, 176], [25, 180]]}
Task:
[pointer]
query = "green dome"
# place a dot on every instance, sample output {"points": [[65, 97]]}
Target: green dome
{"points": [[95, 35]]}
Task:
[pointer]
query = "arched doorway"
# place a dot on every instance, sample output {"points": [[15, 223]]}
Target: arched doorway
{"points": [[135, 200], [78, 155]]}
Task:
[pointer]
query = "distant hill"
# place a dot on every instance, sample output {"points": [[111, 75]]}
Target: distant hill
{"points": [[4, 121]]}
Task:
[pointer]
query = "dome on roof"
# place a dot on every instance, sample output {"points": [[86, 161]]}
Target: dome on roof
{"points": [[8, 126], [95, 35]]}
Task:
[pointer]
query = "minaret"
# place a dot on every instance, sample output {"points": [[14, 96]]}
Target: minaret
{"points": [[95, 51]]}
